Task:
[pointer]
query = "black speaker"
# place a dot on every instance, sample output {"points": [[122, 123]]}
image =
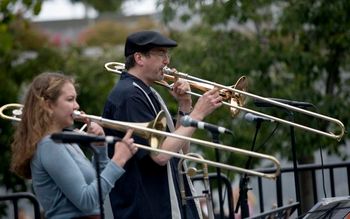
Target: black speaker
{"points": [[337, 207]]}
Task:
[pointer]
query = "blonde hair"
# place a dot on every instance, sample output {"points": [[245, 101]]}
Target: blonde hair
{"points": [[35, 120]]}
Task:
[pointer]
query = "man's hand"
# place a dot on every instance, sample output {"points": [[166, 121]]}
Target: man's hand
{"points": [[180, 88]]}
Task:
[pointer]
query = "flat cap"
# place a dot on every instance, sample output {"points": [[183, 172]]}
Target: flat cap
{"points": [[143, 41]]}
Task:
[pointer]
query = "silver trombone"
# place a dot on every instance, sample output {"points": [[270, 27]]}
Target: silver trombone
{"points": [[154, 130], [192, 172], [237, 95]]}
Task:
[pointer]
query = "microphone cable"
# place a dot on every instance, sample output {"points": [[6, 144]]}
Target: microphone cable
{"points": [[268, 137], [321, 157], [260, 146]]}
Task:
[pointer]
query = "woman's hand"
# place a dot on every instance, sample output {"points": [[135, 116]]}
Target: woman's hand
{"points": [[124, 150], [94, 128]]}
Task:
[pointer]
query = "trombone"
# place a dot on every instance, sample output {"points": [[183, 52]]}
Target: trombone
{"points": [[238, 93], [232, 98], [159, 135], [192, 171]]}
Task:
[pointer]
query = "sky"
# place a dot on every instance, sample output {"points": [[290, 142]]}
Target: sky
{"points": [[63, 9]]}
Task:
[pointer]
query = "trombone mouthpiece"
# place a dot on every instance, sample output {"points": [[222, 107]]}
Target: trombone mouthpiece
{"points": [[76, 114], [167, 70]]}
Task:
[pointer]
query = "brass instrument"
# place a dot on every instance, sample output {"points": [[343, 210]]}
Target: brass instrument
{"points": [[192, 172], [16, 112], [159, 123], [234, 98], [145, 131], [239, 91]]}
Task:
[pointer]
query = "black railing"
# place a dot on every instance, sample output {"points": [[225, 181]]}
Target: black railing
{"points": [[313, 169], [15, 197]]}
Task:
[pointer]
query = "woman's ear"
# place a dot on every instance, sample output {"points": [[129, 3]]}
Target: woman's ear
{"points": [[48, 106]]}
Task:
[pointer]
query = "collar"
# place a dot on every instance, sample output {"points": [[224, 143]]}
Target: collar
{"points": [[127, 76]]}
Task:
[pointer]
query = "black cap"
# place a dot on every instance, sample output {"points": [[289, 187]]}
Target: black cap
{"points": [[143, 41]]}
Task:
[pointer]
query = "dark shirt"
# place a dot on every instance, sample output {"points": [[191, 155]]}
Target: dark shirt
{"points": [[143, 191]]}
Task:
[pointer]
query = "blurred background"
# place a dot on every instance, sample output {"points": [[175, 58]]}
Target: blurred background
{"points": [[289, 49]]}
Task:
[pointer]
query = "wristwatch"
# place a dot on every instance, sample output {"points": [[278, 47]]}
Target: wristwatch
{"points": [[181, 113]]}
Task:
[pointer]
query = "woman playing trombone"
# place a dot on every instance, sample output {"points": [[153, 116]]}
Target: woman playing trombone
{"points": [[64, 180]]}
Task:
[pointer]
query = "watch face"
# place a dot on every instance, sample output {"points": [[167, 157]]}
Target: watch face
{"points": [[183, 114]]}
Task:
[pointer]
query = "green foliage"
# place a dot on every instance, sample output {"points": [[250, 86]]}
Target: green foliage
{"points": [[19, 63], [27, 52], [110, 33], [105, 33], [94, 82], [102, 6], [288, 49]]}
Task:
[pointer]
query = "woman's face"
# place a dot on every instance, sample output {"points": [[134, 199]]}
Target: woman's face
{"points": [[63, 108]]}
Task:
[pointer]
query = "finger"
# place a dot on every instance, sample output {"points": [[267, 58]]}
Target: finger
{"points": [[88, 123], [181, 84], [129, 141], [128, 133], [213, 91], [135, 150], [82, 128], [176, 87]]}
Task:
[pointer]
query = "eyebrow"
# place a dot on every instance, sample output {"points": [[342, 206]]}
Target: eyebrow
{"points": [[161, 49]]}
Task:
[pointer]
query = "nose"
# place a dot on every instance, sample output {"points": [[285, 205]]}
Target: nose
{"points": [[76, 105], [166, 60]]}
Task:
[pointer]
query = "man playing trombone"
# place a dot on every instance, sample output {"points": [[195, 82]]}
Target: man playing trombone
{"points": [[149, 188]]}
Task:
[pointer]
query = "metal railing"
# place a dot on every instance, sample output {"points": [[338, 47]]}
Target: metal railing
{"points": [[15, 197], [313, 169]]}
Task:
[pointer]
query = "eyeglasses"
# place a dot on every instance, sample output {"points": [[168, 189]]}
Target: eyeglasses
{"points": [[161, 53]]}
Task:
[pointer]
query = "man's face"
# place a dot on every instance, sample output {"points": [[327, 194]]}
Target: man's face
{"points": [[156, 60]]}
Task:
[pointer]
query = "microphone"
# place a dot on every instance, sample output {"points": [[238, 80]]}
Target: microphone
{"points": [[261, 103], [72, 137], [255, 118], [187, 121]]}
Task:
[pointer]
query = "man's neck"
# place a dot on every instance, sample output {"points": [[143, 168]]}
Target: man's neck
{"points": [[138, 73]]}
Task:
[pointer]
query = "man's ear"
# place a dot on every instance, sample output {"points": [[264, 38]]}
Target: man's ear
{"points": [[139, 58]]}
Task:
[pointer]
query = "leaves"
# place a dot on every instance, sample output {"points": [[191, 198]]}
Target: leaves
{"points": [[293, 50]]}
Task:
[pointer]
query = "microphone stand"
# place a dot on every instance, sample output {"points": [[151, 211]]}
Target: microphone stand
{"points": [[98, 177], [243, 183], [295, 163], [215, 139]]}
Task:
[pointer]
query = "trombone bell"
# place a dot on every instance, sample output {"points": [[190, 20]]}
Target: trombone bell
{"points": [[237, 99], [234, 98]]}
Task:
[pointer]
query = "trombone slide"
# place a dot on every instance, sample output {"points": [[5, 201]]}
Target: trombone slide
{"points": [[238, 95], [159, 134]]}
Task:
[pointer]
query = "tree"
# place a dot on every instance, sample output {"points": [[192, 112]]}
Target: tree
{"points": [[25, 52], [288, 49], [102, 6]]}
